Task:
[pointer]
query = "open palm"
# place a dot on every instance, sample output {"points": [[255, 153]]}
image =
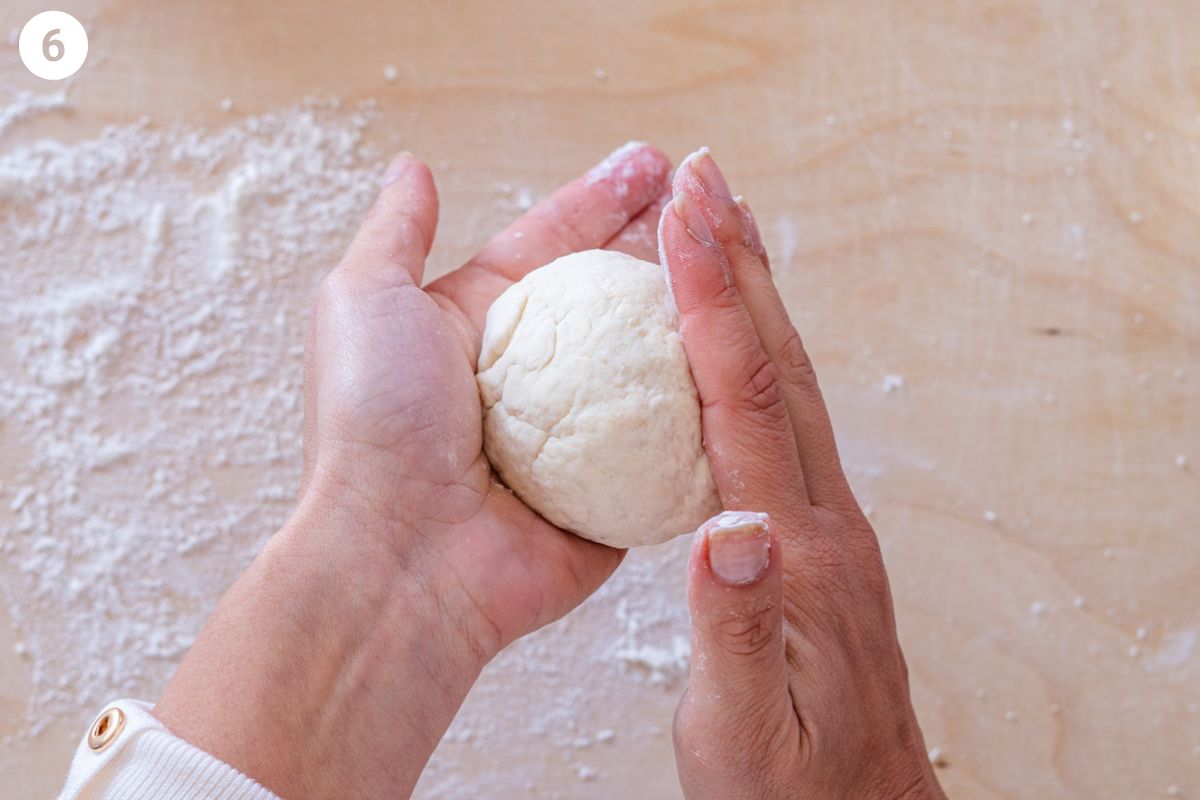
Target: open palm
{"points": [[392, 413]]}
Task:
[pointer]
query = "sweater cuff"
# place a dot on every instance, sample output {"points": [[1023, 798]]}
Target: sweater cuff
{"points": [[127, 753]]}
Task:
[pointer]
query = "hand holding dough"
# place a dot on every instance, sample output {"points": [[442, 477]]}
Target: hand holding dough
{"points": [[590, 413]]}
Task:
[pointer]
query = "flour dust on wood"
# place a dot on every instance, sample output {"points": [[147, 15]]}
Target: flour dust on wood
{"points": [[155, 296]]}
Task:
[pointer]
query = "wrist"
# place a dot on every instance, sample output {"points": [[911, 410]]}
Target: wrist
{"points": [[381, 586], [334, 664], [336, 523]]}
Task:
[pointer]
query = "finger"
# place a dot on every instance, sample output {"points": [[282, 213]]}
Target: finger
{"points": [[752, 230], [393, 241], [389, 249], [737, 232], [735, 593], [737, 703], [582, 215], [640, 237], [747, 433]]}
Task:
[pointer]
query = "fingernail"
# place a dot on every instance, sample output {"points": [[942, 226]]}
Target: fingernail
{"points": [[709, 173], [692, 218], [400, 165], [756, 241], [739, 547]]}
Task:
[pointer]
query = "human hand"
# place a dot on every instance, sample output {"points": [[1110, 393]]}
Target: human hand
{"points": [[337, 661], [798, 688], [392, 412]]}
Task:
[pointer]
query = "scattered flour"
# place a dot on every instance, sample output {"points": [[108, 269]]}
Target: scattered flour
{"points": [[1175, 651], [516, 198], [28, 104], [891, 383], [153, 312], [152, 319]]}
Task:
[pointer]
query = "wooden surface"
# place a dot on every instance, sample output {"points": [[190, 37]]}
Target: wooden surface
{"points": [[994, 202]]}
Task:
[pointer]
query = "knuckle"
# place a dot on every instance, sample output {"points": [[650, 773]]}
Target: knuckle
{"points": [[762, 393], [335, 296], [409, 238], [864, 562], [727, 298], [745, 629], [903, 669], [725, 746], [376, 210], [866, 554], [822, 566], [331, 290], [685, 732], [851, 533], [793, 358], [822, 549], [557, 225], [772, 745]]}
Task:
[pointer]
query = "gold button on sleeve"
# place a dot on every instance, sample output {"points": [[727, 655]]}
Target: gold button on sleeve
{"points": [[106, 728]]}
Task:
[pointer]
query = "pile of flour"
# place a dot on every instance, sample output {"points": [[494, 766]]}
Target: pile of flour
{"points": [[153, 311], [152, 314]]}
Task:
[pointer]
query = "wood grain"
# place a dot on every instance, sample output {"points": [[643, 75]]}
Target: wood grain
{"points": [[994, 200]]}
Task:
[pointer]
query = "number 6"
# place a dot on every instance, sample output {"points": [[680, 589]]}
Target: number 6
{"points": [[49, 44]]}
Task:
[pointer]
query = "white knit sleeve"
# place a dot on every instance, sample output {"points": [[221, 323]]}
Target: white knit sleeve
{"points": [[131, 756]]}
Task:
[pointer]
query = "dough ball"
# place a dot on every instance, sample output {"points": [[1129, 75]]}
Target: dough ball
{"points": [[590, 412]]}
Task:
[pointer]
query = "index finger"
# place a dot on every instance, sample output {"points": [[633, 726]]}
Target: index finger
{"points": [[747, 432], [586, 213]]}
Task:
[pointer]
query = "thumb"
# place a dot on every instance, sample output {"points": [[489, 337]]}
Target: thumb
{"points": [[738, 686], [391, 245], [735, 593]]}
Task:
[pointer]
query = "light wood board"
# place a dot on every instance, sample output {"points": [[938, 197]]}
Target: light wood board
{"points": [[996, 202]]}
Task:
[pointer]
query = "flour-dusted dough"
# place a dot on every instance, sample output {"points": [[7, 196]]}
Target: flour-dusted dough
{"points": [[590, 412]]}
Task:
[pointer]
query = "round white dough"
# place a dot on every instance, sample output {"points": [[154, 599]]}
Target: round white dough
{"points": [[590, 412]]}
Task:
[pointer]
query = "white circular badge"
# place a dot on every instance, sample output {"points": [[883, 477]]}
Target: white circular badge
{"points": [[53, 45]]}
